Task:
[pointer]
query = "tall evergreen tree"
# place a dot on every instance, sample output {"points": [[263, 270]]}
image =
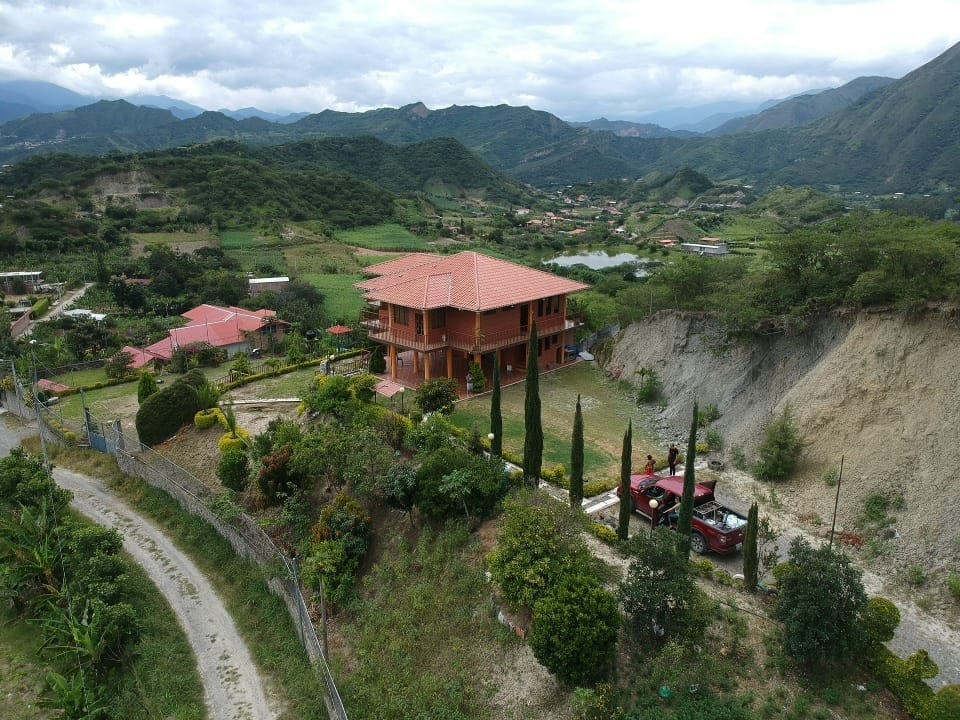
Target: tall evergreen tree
{"points": [[496, 417], [576, 459], [533, 424], [685, 519], [751, 557], [626, 458]]}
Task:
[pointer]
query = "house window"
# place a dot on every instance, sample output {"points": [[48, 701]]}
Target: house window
{"points": [[556, 303], [401, 315], [438, 318], [540, 307]]}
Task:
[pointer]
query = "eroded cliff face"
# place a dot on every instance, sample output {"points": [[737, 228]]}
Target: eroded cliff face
{"points": [[881, 390]]}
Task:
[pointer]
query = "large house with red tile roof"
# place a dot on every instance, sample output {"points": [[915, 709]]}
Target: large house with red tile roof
{"points": [[231, 328], [442, 312]]}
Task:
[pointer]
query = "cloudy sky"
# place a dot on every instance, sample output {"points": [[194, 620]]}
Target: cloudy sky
{"points": [[578, 59]]}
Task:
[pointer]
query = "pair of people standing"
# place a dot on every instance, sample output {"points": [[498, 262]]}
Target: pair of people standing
{"points": [[673, 455]]}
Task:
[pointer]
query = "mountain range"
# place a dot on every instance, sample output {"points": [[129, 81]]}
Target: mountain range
{"points": [[872, 134]]}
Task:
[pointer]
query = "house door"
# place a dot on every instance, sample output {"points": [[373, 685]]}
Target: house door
{"points": [[524, 318]]}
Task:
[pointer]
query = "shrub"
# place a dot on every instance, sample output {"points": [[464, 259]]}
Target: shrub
{"points": [[240, 364], [707, 415], [146, 387], [575, 627], [437, 395], [234, 440], [233, 469], [477, 378], [162, 414], [205, 419], [596, 487], [276, 474], [714, 439], [599, 704], [477, 490], [118, 365], [779, 449], [207, 396], [378, 364], [880, 619], [339, 542], [953, 585], [602, 532], [539, 544]]}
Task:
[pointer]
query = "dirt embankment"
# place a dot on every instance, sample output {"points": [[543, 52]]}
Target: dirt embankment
{"points": [[878, 389]]}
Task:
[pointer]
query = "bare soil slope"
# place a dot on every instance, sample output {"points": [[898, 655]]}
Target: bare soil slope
{"points": [[878, 389]]}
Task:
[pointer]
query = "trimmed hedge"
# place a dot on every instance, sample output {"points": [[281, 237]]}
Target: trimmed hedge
{"points": [[165, 412], [40, 307], [238, 441], [97, 385], [206, 419]]}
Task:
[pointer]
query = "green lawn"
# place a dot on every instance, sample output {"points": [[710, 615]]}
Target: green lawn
{"points": [[79, 378], [21, 670], [254, 259], [342, 301], [606, 411], [383, 237], [748, 229], [242, 239]]}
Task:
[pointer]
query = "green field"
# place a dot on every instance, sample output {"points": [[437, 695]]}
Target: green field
{"points": [[170, 238], [606, 411], [745, 229], [383, 237], [239, 239], [342, 301]]}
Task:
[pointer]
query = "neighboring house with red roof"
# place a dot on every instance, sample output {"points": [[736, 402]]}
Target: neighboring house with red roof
{"points": [[232, 329], [466, 307]]}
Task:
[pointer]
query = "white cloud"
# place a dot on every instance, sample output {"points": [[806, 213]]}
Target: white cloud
{"points": [[617, 58]]}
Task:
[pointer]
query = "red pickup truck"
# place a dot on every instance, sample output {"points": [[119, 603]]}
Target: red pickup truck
{"points": [[715, 528]]}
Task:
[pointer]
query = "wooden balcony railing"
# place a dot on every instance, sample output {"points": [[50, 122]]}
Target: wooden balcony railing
{"points": [[379, 330]]}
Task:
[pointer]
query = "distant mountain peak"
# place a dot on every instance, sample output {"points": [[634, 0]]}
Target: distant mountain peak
{"points": [[418, 109]]}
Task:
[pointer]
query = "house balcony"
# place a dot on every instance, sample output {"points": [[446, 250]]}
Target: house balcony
{"points": [[481, 342]]}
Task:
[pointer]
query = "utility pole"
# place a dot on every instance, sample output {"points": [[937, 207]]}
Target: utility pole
{"points": [[836, 502]]}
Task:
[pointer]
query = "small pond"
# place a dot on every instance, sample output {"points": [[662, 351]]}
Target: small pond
{"points": [[599, 260]]}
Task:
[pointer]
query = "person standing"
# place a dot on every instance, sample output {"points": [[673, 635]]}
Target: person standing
{"points": [[672, 456], [651, 465]]}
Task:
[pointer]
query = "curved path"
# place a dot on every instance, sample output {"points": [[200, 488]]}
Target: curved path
{"points": [[232, 688]]}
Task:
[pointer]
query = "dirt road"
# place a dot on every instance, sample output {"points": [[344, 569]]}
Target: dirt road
{"points": [[233, 690]]}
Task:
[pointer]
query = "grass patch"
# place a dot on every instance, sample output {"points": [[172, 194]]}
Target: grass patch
{"points": [[288, 385], [259, 259], [419, 651], [384, 237], [22, 672], [162, 681], [261, 616], [79, 378], [606, 411], [242, 239], [341, 300]]}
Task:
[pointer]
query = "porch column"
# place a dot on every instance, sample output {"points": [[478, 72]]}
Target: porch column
{"points": [[450, 362], [416, 362], [393, 362], [477, 358], [426, 366]]}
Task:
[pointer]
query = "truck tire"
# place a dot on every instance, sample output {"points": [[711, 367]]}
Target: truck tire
{"points": [[698, 543]]}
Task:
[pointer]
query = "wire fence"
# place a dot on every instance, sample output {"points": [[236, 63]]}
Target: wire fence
{"points": [[242, 532]]}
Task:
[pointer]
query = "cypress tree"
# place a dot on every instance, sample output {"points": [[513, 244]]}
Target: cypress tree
{"points": [[751, 559], [496, 417], [576, 459], [685, 519], [626, 457], [533, 425]]}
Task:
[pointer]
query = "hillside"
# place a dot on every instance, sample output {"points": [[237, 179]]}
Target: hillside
{"points": [[877, 389], [803, 109]]}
